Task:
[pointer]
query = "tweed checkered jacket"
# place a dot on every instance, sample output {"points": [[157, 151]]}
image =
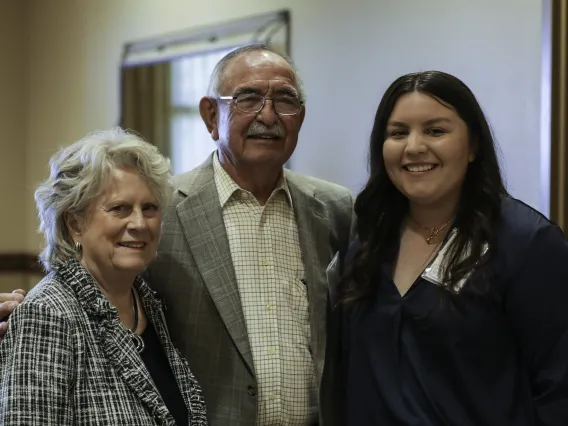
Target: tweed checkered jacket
{"points": [[67, 360], [194, 273]]}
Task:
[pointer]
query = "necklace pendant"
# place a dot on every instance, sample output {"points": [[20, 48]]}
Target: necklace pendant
{"points": [[138, 342], [433, 234]]}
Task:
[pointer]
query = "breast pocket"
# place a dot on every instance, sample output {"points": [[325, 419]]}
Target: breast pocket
{"points": [[297, 301]]}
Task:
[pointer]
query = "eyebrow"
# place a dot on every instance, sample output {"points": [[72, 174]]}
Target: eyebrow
{"points": [[426, 123], [122, 200], [287, 91], [251, 90], [247, 90]]}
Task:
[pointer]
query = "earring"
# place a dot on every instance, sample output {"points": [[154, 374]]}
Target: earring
{"points": [[78, 247]]}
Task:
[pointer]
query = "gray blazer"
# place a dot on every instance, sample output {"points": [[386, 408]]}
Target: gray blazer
{"points": [[194, 274]]}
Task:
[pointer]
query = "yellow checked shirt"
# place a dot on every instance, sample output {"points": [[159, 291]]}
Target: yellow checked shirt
{"points": [[266, 256]]}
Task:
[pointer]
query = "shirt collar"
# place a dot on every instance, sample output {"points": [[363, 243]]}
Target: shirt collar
{"points": [[226, 186]]}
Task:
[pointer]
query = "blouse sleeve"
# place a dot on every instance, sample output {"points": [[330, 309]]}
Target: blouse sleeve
{"points": [[36, 369], [536, 301]]}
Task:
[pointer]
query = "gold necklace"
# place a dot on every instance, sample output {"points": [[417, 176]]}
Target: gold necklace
{"points": [[432, 232]]}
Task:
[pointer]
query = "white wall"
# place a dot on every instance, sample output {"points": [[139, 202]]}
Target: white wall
{"points": [[348, 53], [493, 46]]}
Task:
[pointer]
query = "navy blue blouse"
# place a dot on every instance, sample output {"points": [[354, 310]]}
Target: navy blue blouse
{"points": [[499, 361]]}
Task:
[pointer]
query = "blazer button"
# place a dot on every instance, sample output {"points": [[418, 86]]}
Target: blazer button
{"points": [[251, 390]]}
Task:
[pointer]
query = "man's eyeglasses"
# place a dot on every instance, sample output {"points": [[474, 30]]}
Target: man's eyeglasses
{"points": [[253, 104]]}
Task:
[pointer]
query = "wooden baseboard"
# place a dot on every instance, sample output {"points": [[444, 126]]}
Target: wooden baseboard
{"points": [[23, 263]]}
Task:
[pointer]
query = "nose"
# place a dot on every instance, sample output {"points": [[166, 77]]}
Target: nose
{"points": [[267, 114], [137, 220], [415, 143]]}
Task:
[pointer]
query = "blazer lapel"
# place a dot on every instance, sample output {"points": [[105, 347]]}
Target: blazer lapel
{"points": [[202, 222], [113, 340], [313, 232], [119, 350]]}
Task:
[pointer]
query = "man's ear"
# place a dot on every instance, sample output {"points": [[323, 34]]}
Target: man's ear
{"points": [[209, 111], [302, 115]]}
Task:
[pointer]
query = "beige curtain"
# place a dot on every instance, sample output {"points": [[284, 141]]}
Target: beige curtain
{"points": [[559, 115], [146, 103]]}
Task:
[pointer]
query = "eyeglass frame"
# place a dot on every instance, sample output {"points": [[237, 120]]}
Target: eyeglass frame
{"points": [[264, 99]]}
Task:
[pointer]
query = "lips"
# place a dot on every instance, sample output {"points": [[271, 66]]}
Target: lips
{"points": [[132, 244], [264, 136], [419, 168]]}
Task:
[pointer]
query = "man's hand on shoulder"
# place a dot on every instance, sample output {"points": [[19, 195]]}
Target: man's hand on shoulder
{"points": [[8, 302]]}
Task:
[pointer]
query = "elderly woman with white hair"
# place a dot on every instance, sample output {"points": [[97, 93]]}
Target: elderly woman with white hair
{"points": [[89, 345]]}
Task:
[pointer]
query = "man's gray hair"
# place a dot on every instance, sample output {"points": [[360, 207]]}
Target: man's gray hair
{"points": [[79, 174], [219, 71]]}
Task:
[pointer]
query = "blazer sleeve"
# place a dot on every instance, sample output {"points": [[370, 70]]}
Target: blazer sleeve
{"points": [[536, 301], [37, 368]]}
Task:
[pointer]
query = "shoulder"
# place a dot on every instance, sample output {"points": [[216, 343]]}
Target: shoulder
{"points": [[52, 293], [45, 317], [51, 302], [520, 223], [328, 191], [188, 182], [184, 179], [523, 233]]}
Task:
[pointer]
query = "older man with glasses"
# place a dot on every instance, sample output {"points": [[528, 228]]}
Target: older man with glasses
{"points": [[244, 250]]}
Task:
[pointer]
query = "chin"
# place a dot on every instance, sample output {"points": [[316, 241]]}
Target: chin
{"points": [[421, 198], [267, 157], [135, 266]]}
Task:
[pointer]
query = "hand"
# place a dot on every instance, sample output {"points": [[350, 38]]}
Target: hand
{"points": [[8, 302]]}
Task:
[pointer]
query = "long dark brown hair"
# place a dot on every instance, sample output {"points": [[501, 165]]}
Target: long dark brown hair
{"points": [[381, 207]]}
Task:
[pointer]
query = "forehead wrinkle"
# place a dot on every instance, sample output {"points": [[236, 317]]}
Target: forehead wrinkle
{"points": [[248, 65], [247, 90], [264, 87], [262, 58]]}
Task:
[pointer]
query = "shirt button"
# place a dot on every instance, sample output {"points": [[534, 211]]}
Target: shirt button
{"points": [[271, 351], [251, 390], [272, 396], [265, 262], [268, 308]]}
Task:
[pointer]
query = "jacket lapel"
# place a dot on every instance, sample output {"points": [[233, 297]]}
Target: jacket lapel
{"points": [[114, 340], [202, 222], [120, 351], [313, 232]]}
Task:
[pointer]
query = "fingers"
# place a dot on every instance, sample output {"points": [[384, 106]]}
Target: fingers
{"points": [[15, 296], [8, 302], [7, 308]]}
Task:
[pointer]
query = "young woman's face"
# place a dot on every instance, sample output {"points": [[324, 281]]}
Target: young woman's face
{"points": [[427, 150]]}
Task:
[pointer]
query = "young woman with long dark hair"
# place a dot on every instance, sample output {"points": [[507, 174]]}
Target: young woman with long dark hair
{"points": [[451, 306]]}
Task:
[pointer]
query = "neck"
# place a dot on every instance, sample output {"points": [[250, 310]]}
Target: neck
{"points": [[432, 216], [117, 289], [259, 180]]}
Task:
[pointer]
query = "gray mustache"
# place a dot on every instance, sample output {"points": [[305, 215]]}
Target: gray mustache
{"points": [[259, 129]]}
